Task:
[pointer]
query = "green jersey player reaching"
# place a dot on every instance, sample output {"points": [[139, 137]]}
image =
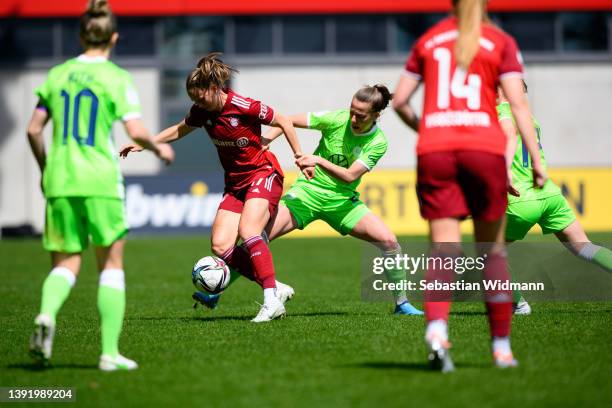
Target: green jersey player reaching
{"points": [[82, 182], [547, 207], [351, 145]]}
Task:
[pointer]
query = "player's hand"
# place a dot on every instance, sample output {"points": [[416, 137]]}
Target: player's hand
{"points": [[165, 152], [511, 189], [126, 149], [539, 176], [265, 143], [308, 160], [308, 172]]}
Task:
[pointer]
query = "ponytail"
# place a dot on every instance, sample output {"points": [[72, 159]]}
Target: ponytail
{"points": [[98, 24], [211, 70], [470, 14], [378, 96]]}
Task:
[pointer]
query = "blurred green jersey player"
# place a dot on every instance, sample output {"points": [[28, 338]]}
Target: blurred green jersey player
{"points": [[351, 144], [546, 207], [82, 182]]}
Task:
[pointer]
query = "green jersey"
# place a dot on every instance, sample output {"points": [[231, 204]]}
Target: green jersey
{"points": [[83, 97], [522, 176], [342, 147]]}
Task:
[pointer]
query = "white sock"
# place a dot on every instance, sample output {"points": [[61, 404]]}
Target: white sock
{"points": [[437, 328], [501, 345], [270, 296], [400, 299]]}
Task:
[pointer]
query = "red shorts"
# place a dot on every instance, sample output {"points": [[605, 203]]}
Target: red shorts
{"points": [[455, 184], [269, 187]]}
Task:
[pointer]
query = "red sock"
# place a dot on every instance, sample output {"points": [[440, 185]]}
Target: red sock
{"points": [[238, 258], [499, 302], [438, 302], [261, 261]]}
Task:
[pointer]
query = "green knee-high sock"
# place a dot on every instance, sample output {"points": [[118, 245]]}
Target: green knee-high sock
{"points": [[516, 294], [603, 258], [396, 275], [55, 291], [111, 304]]}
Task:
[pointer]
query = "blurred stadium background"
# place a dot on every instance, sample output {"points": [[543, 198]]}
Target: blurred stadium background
{"points": [[303, 56]]}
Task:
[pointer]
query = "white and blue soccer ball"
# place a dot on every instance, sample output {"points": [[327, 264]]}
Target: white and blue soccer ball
{"points": [[210, 274]]}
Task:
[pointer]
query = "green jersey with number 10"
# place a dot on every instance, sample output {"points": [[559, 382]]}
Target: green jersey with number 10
{"points": [[522, 176], [83, 97], [342, 147]]}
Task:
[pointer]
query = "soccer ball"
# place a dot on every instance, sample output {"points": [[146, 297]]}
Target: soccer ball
{"points": [[210, 274]]}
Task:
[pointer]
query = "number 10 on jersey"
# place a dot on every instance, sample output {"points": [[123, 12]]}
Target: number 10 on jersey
{"points": [[76, 105]]}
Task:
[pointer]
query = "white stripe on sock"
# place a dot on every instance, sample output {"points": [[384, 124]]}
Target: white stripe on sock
{"points": [[113, 278], [65, 273]]}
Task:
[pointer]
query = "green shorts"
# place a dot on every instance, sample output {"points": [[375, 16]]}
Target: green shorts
{"points": [[71, 221], [553, 214], [308, 203]]}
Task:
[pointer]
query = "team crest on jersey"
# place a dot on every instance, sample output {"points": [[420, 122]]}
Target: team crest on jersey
{"points": [[356, 151], [242, 142], [234, 121]]}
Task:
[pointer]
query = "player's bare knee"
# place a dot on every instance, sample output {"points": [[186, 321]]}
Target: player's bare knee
{"points": [[247, 231], [220, 248]]}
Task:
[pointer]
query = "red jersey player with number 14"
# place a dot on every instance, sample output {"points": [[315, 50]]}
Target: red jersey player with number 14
{"points": [[461, 168], [253, 177]]}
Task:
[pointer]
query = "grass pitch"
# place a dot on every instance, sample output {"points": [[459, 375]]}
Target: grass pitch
{"points": [[331, 350]]}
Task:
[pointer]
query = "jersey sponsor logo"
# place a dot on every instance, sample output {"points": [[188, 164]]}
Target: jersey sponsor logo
{"points": [[242, 142], [263, 112], [338, 160], [223, 143], [241, 102], [234, 121]]}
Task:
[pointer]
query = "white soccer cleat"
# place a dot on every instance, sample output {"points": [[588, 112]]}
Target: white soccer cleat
{"points": [[269, 312], [522, 307], [438, 354], [284, 293], [41, 342], [504, 360], [119, 363]]}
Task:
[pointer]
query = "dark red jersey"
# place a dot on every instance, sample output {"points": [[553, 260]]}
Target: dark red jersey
{"points": [[236, 132], [459, 106]]}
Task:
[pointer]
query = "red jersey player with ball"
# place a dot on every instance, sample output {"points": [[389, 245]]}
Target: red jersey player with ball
{"points": [[253, 177], [461, 168]]}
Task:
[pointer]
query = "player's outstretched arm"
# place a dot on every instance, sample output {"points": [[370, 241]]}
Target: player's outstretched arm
{"points": [[39, 119], [299, 120], [513, 89], [356, 170], [286, 126], [404, 91], [167, 135]]}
